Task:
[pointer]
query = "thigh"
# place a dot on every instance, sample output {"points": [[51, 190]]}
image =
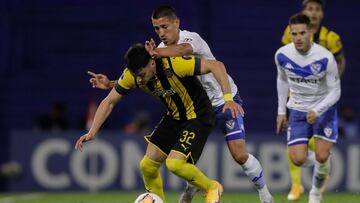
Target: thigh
{"points": [[326, 125], [191, 142], [299, 129], [153, 153], [165, 135]]}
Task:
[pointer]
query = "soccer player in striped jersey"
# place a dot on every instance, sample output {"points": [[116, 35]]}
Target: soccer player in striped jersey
{"points": [[309, 72], [176, 42], [179, 138]]}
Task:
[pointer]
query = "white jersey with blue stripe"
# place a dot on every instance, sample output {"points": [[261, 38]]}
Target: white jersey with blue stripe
{"points": [[208, 81], [312, 79]]}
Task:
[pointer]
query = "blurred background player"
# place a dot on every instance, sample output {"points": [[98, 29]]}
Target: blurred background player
{"points": [[176, 42], [314, 9], [309, 72], [180, 136]]}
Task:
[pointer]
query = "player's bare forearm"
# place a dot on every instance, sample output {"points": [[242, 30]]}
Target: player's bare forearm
{"points": [[104, 110], [218, 69], [176, 50]]}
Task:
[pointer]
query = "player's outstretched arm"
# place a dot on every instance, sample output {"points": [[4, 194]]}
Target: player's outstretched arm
{"points": [[101, 81], [171, 51], [101, 114], [217, 68]]}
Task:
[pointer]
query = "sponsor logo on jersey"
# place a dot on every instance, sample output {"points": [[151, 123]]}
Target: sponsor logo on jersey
{"points": [[188, 40], [289, 66], [163, 93], [304, 80], [187, 57]]}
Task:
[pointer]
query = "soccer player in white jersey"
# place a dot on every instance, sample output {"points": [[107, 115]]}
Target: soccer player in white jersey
{"points": [[176, 42], [309, 71]]}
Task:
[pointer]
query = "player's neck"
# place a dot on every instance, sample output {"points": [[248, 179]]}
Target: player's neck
{"points": [[306, 50]]}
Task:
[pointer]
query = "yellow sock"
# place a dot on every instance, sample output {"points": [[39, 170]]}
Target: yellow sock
{"points": [[190, 173], [311, 145], [295, 172], [151, 175]]}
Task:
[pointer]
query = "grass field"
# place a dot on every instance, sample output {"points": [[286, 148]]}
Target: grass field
{"points": [[129, 197]]}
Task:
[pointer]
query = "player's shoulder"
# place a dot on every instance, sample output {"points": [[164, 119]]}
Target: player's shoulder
{"points": [[330, 34], [186, 36], [285, 49], [322, 51]]}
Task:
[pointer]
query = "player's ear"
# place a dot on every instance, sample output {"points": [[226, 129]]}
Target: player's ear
{"points": [[177, 22]]}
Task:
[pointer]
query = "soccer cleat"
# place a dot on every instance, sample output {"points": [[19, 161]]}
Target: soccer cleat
{"points": [[265, 196], [188, 194], [213, 195], [315, 197], [271, 201], [295, 192]]}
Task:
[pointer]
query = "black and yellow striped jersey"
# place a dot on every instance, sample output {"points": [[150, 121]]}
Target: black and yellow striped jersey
{"points": [[176, 85], [325, 37]]}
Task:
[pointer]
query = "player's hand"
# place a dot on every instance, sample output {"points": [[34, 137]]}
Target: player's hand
{"points": [[235, 108], [87, 137], [281, 123], [100, 81], [150, 47], [311, 117]]}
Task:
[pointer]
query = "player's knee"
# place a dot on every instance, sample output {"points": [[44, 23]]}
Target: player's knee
{"points": [[175, 165], [298, 161], [148, 167], [241, 157], [321, 157]]}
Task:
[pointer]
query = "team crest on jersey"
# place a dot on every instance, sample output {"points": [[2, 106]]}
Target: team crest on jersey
{"points": [[230, 124], [168, 73], [315, 68], [328, 131]]}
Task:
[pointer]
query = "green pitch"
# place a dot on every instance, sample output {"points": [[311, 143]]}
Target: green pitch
{"points": [[129, 197]]}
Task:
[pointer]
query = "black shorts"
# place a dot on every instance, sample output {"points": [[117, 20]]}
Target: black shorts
{"points": [[186, 137]]}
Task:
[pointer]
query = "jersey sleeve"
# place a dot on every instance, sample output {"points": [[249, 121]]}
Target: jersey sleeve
{"points": [[286, 38], [334, 43], [282, 87], [125, 83], [186, 65], [195, 41], [333, 85]]}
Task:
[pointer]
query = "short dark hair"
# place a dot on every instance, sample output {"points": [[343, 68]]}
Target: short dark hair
{"points": [[299, 18], [136, 57], [321, 2], [164, 11]]}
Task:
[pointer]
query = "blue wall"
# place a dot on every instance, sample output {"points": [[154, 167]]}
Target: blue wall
{"points": [[47, 46]]}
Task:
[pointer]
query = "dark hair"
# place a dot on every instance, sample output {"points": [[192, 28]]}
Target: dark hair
{"points": [[299, 18], [164, 11], [136, 57], [321, 2]]}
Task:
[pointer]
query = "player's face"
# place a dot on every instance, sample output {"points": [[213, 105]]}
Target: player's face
{"points": [[145, 74], [167, 29], [315, 12], [301, 36]]}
